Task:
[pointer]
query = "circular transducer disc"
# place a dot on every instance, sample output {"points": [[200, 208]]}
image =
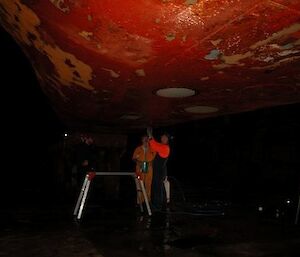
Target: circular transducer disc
{"points": [[175, 92]]}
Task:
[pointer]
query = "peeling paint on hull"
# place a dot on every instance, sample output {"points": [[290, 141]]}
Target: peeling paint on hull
{"points": [[68, 69], [84, 48]]}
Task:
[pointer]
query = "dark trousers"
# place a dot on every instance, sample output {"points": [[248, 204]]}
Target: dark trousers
{"points": [[159, 174]]}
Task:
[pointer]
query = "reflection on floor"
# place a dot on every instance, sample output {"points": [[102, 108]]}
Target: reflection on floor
{"points": [[123, 232]]}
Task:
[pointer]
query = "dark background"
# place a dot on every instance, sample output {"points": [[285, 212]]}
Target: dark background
{"points": [[242, 157]]}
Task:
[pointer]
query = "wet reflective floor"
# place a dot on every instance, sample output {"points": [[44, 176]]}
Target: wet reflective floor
{"points": [[116, 231]]}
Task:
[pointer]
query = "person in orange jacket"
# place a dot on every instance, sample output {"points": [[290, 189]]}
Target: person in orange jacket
{"points": [[162, 150], [144, 156]]}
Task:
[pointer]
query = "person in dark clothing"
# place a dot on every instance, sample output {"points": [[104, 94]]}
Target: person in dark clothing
{"points": [[162, 150]]}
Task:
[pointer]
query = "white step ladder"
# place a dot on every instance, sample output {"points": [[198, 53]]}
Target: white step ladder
{"points": [[141, 192]]}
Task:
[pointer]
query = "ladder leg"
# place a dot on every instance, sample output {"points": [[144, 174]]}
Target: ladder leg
{"points": [[140, 195], [146, 198], [80, 195], [83, 199]]}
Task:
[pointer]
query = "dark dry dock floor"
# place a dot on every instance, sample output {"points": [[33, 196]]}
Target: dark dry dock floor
{"points": [[123, 232]]}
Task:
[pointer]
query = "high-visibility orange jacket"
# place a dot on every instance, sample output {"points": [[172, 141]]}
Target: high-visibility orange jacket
{"points": [[162, 149]]}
